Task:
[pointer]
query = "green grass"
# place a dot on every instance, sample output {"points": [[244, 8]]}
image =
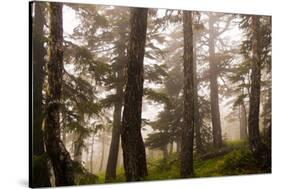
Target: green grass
{"points": [[238, 161]]}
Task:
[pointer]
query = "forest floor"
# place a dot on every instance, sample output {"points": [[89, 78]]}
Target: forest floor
{"points": [[238, 160]]}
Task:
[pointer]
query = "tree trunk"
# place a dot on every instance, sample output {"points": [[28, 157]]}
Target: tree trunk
{"points": [[60, 158], [197, 119], [186, 169], [78, 143], [120, 156], [171, 147], [178, 142], [102, 152], [215, 109], [114, 146], [165, 152], [253, 120], [117, 114], [132, 143], [40, 174], [243, 123], [92, 154]]}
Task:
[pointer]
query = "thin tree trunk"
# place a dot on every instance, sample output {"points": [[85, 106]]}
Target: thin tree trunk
{"points": [[134, 156], [92, 154], [215, 110], [253, 120], [197, 119], [178, 142], [60, 158], [186, 169], [243, 125], [120, 157], [117, 114], [171, 147], [103, 151], [165, 152], [40, 175], [78, 143]]}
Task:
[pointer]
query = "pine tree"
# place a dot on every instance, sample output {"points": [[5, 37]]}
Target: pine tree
{"points": [[40, 173], [132, 142], [253, 122], [188, 116], [59, 156]]}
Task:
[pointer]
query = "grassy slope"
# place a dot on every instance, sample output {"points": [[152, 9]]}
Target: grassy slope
{"points": [[237, 162]]}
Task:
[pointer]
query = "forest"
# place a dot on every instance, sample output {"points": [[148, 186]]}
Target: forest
{"points": [[123, 94]]}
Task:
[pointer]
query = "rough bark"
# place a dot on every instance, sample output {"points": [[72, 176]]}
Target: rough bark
{"points": [[215, 109], [186, 169], [40, 175], [254, 111], [59, 156], [134, 156]]}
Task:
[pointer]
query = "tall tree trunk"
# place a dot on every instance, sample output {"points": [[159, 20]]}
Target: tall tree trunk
{"points": [[186, 169], [178, 142], [117, 114], [165, 152], [60, 158], [78, 147], [243, 123], [103, 151], [215, 109], [132, 143], [40, 174], [92, 154], [197, 119], [120, 156], [171, 147], [253, 120], [114, 146], [78, 143], [267, 118]]}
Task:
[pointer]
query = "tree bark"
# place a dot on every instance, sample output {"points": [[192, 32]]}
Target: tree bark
{"points": [[40, 175], [215, 109], [253, 120], [59, 156], [186, 169], [134, 156]]}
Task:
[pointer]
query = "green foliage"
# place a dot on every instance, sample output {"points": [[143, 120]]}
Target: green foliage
{"points": [[163, 169], [240, 161]]}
